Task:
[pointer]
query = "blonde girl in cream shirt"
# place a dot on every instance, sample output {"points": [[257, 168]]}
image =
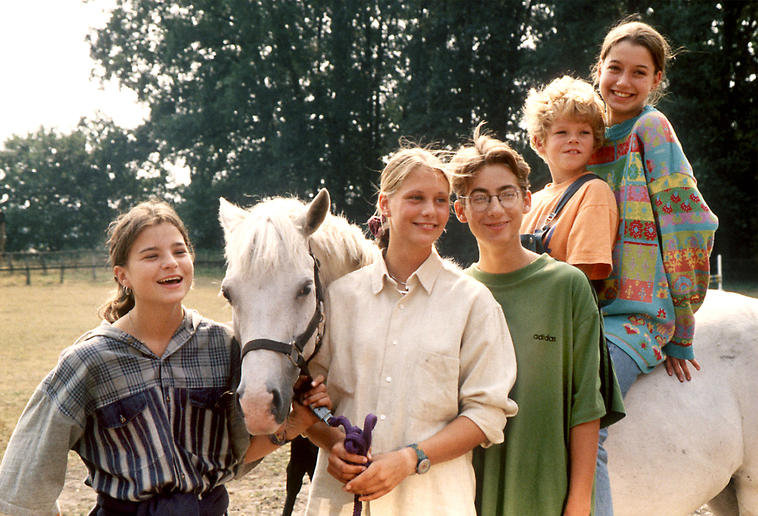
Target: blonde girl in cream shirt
{"points": [[424, 348]]}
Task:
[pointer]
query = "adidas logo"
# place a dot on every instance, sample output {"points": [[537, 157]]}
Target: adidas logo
{"points": [[546, 338]]}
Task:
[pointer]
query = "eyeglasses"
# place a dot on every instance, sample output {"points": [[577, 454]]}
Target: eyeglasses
{"points": [[480, 201]]}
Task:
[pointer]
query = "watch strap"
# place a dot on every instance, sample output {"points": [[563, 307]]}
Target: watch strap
{"points": [[422, 461]]}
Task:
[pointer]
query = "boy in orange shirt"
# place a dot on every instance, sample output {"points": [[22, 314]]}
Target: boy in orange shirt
{"points": [[565, 126]]}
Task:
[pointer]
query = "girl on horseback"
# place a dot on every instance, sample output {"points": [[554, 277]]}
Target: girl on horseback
{"points": [[665, 235], [145, 399]]}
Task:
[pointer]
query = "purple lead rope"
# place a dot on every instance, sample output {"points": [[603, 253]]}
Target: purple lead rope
{"points": [[358, 442]]}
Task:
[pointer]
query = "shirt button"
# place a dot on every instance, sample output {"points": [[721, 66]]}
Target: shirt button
{"points": [[168, 398], [122, 419], [389, 379], [394, 342], [382, 417], [402, 307]]}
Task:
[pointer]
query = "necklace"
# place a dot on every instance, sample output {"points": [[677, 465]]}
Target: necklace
{"points": [[402, 287]]}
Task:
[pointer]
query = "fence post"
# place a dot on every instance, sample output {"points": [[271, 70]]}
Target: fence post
{"points": [[717, 278], [28, 272], [63, 266], [94, 274]]}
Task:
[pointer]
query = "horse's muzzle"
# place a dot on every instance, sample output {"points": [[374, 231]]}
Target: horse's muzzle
{"points": [[265, 410]]}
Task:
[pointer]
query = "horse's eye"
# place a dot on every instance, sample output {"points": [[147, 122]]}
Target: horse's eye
{"points": [[305, 290], [225, 293]]}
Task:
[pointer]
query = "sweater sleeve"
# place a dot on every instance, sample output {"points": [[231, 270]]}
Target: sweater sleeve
{"points": [[685, 225], [33, 469]]}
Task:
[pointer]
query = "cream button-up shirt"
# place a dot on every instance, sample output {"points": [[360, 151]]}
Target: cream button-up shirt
{"points": [[417, 361]]}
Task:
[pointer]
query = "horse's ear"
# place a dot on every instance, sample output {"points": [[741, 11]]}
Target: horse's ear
{"points": [[230, 216], [315, 212]]}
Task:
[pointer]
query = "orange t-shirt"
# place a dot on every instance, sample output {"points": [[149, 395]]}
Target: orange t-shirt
{"points": [[584, 231]]}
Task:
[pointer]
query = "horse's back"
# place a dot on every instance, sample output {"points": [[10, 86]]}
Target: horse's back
{"points": [[681, 443]]}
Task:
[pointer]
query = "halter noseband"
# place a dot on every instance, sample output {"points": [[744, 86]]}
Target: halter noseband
{"points": [[294, 348]]}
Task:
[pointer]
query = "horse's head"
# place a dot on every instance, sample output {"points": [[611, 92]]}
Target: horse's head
{"points": [[271, 287]]}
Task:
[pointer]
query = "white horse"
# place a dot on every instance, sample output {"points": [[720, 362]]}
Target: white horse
{"points": [[681, 445], [270, 284]]}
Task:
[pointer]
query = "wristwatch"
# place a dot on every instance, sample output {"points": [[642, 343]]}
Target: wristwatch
{"points": [[423, 463]]}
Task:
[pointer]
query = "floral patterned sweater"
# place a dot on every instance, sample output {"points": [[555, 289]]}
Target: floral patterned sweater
{"points": [[661, 257]]}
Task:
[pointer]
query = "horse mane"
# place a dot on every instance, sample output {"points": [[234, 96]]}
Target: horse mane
{"points": [[267, 238], [341, 247]]}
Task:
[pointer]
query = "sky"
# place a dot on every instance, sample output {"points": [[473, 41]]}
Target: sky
{"points": [[45, 68]]}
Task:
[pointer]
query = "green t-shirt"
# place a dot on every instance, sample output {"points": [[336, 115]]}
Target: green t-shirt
{"points": [[554, 324]]}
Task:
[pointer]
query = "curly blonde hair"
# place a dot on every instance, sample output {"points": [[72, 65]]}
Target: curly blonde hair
{"points": [[565, 97]]}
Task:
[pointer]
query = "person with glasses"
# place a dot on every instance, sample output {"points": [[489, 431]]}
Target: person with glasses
{"points": [[546, 464], [564, 121]]}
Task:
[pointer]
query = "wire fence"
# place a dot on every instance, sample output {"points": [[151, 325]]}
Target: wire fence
{"points": [[93, 263]]}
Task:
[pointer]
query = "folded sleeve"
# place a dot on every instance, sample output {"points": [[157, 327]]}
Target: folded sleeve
{"points": [[488, 368], [593, 231]]}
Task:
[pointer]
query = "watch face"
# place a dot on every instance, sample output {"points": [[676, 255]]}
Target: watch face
{"points": [[423, 466]]}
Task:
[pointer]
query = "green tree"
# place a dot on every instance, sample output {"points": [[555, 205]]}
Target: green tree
{"points": [[713, 106], [460, 63], [61, 190], [710, 92], [270, 97], [258, 98]]}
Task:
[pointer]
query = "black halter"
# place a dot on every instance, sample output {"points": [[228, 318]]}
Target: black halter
{"points": [[294, 348]]}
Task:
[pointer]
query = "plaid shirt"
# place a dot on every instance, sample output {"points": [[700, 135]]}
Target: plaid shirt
{"points": [[142, 424]]}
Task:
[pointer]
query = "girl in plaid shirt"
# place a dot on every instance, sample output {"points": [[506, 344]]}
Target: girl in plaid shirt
{"points": [[145, 398]]}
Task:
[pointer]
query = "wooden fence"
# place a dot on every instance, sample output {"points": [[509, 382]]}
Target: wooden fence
{"points": [[96, 262], [92, 262], [717, 279]]}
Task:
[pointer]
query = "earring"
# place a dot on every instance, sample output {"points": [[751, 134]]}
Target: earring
{"points": [[127, 290]]}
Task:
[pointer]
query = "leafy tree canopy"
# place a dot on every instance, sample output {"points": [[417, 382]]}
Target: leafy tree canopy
{"points": [[264, 97], [59, 191]]}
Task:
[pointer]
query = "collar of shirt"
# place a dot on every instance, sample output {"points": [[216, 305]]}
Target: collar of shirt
{"points": [[183, 333], [425, 275]]}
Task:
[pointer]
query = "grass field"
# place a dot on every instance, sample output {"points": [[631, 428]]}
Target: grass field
{"points": [[40, 320]]}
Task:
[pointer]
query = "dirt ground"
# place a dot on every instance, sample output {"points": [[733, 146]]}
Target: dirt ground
{"points": [[23, 362], [259, 493]]}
